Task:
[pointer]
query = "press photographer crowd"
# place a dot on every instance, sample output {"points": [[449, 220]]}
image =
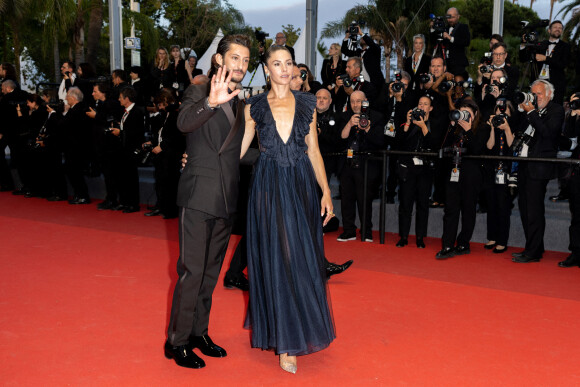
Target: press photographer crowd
{"points": [[111, 125]]}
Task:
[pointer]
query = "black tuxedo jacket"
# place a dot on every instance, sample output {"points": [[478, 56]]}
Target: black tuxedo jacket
{"points": [[209, 181], [133, 130], [457, 59], [371, 59], [548, 128], [423, 68], [557, 61]]}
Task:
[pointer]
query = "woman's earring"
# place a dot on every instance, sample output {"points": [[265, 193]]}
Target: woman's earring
{"points": [[268, 78]]}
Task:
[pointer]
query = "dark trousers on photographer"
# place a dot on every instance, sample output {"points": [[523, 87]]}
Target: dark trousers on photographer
{"points": [[75, 166], [574, 230], [461, 200], [352, 185], [128, 179], [55, 174], [414, 187], [166, 180], [440, 178], [109, 164], [532, 193], [499, 202]]}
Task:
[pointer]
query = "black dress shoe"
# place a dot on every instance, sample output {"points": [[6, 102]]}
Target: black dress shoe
{"points": [[461, 250], [155, 212], [19, 192], [517, 255], [402, 242], [240, 283], [170, 216], [333, 268], [446, 252], [183, 356], [525, 259], [207, 346], [130, 209], [420, 243], [106, 205], [497, 250], [56, 198], [118, 207], [151, 208], [570, 261], [79, 201]]}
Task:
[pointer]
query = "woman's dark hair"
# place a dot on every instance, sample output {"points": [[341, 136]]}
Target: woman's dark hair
{"points": [[469, 103], [9, 71], [34, 98], [164, 96], [225, 45], [103, 87], [274, 49], [88, 71]]}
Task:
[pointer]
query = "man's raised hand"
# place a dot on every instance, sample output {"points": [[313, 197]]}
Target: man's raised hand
{"points": [[219, 93]]}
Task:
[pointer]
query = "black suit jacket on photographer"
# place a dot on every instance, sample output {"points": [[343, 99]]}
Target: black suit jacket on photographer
{"points": [[413, 140], [75, 129], [456, 59], [371, 57], [513, 75], [422, 68], [172, 140], [108, 114], [571, 130], [372, 140], [557, 62], [474, 142], [29, 125], [329, 139], [9, 122], [548, 127], [340, 99], [133, 131]]}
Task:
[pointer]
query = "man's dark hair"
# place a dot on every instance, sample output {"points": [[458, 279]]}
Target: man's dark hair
{"points": [[34, 98], [500, 44], [554, 22], [497, 37], [103, 87], [438, 57], [88, 71], [120, 74], [72, 65], [225, 45], [129, 92]]}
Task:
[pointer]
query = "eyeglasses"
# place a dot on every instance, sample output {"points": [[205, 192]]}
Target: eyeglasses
{"points": [[498, 53]]}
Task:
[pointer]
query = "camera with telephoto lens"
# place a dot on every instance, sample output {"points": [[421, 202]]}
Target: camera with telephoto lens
{"points": [[417, 114], [353, 29], [525, 98], [261, 37], [425, 78], [530, 36], [521, 139], [501, 85], [575, 105], [499, 119], [460, 115], [346, 81], [445, 86], [439, 25], [364, 118], [397, 84]]}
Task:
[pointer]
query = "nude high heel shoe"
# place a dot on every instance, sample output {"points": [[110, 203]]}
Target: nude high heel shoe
{"points": [[288, 363]]}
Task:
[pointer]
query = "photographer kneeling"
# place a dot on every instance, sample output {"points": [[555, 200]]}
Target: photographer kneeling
{"points": [[464, 179], [363, 131], [539, 132], [498, 194], [415, 173]]}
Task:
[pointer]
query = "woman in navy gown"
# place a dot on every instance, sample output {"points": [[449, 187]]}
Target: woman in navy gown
{"points": [[289, 310]]}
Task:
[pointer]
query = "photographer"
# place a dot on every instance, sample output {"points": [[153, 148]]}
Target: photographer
{"points": [[352, 81], [549, 59], [487, 94], [572, 131], [130, 134], [33, 166], [68, 79], [119, 80], [497, 61], [329, 140], [369, 52], [464, 179], [498, 195], [332, 66], [106, 114], [540, 129], [167, 146], [362, 129], [455, 40], [418, 63], [309, 85], [86, 76], [415, 173]]}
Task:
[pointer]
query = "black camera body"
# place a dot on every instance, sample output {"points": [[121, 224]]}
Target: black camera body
{"points": [[364, 117], [501, 85], [417, 114], [425, 78], [575, 105], [261, 37], [499, 119], [57, 106], [530, 36], [397, 85], [445, 86], [459, 115], [303, 74], [439, 25], [353, 29], [346, 81]]}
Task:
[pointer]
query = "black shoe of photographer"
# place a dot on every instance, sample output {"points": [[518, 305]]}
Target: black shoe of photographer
{"points": [[106, 205], [183, 356], [402, 242], [519, 254], [462, 250], [524, 258], [78, 200], [446, 252], [206, 346], [131, 209], [570, 261], [420, 243], [155, 212]]}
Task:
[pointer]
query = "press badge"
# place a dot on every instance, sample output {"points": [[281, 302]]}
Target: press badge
{"points": [[417, 161], [175, 85], [454, 175], [349, 154], [500, 177], [390, 129]]}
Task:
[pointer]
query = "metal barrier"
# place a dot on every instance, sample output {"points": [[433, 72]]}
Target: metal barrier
{"points": [[382, 156]]}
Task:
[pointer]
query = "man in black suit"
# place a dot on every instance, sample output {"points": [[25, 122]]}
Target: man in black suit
{"points": [[281, 41], [499, 56], [207, 196], [455, 41], [550, 60], [543, 123], [370, 52], [341, 93]]}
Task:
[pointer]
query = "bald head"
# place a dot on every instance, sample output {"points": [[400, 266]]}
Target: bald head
{"points": [[356, 99], [452, 16], [200, 79]]}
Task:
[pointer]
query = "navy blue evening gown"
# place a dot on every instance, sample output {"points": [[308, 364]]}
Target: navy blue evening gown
{"points": [[289, 310]]}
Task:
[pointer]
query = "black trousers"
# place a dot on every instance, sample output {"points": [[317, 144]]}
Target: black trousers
{"points": [[166, 180], [55, 173], [203, 241], [440, 179], [574, 230], [75, 164], [239, 260], [532, 193], [128, 179], [110, 161], [461, 199], [352, 186], [499, 210], [414, 188]]}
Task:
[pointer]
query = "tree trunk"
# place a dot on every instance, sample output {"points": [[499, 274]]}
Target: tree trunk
{"points": [[94, 32], [56, 59], [388, 45], [17, 47], [79, 36]]}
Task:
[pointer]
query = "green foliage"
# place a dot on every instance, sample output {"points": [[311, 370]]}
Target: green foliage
{"points": [[291, 33]]}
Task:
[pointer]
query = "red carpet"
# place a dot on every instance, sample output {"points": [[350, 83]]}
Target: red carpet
{"points": [[85, 298]]}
